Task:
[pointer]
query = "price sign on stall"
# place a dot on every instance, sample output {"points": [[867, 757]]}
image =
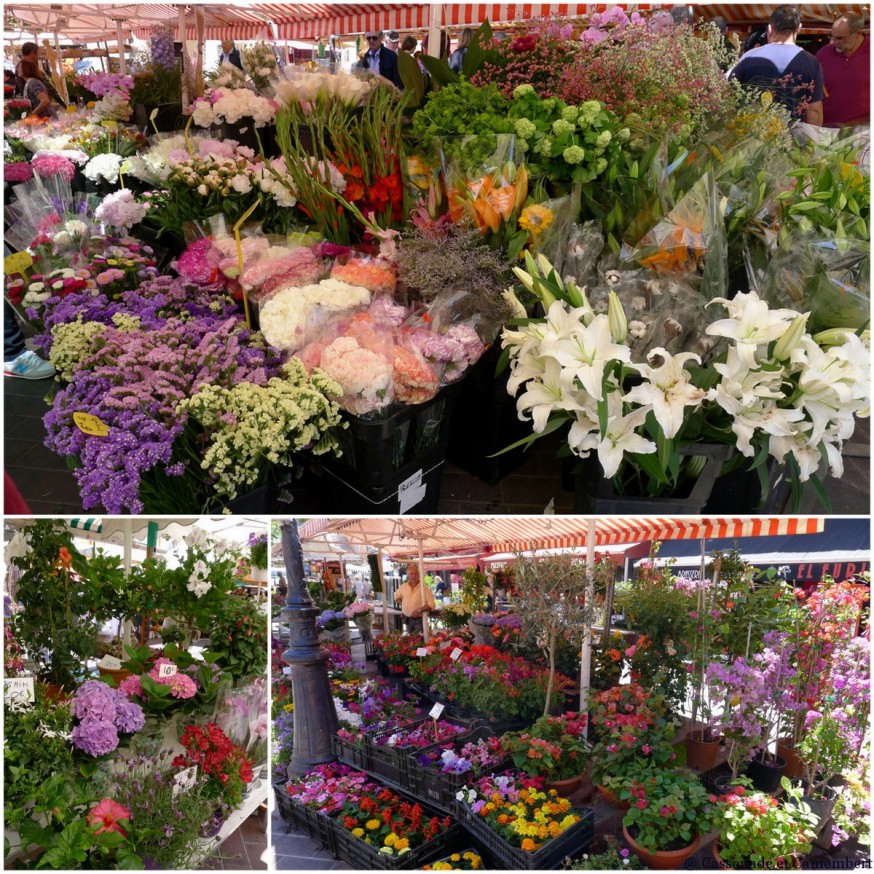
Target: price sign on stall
{"points": [[436, 711], [18, 691], [185, 780], [167, 671], [17, 262], [455, 655], [421, 652], [90, 425], [110, 663]]}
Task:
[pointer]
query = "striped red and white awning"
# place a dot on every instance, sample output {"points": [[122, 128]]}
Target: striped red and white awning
{"points": [[400, 537]]}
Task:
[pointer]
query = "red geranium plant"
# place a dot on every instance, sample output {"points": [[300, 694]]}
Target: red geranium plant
{"points": [[223, 762]]}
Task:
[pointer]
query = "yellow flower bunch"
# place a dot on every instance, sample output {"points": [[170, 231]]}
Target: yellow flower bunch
{"points": [[372, 824]]}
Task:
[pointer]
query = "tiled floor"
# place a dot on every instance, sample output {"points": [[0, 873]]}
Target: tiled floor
{"points": [[48, 486], [245, 850], [294, 851]]}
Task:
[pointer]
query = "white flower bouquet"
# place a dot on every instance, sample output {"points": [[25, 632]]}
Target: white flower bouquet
{"points": [[259, 61], [321, 89], [232, 105], [776, 392]]}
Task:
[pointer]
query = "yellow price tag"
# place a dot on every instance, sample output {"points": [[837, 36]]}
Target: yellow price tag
{"points": [[18, 262], [91, 425]]}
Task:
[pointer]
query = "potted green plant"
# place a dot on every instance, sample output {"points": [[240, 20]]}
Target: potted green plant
{"points": [[238, 638], [55, 624], [258, 559], [611, 858], [825, 751], [552, 592], [554, 748], [664, 824], [756, 830], [164, 823]]}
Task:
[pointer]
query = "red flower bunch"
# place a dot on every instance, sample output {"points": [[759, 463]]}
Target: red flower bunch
{"points": [[223, 762], [398, 648], [387, 822]]}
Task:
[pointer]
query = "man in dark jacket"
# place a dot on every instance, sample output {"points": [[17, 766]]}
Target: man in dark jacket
{"points": [[230, 54], [379, 59]]}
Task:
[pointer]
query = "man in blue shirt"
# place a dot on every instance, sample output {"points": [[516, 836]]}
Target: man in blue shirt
{"points": [[380, 60], [792, 75]]}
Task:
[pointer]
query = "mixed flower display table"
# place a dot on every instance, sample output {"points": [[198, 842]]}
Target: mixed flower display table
{"points": [[254, 798]]}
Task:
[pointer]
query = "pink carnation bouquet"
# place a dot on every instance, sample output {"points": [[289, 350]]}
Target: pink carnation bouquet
{"points": [[371, 273], [54, 165]]}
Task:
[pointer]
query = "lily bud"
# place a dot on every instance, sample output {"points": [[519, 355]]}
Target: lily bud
{"points": [[786, 345], [524, 278], [832, 337], [518, 310], [616, 318]]}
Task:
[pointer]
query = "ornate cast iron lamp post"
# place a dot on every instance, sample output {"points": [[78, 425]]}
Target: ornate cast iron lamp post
{"points": [[315, 717]]}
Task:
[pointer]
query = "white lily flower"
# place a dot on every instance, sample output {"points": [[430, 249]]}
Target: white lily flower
{"points": [[546, 394], [743, 385], [668, 389], [587, 352], [799, 446], [621, 436], [584, 434], [776, 421], [751, 320]]}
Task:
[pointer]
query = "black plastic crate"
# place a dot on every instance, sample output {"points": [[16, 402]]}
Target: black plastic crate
{"points": [[375, 451], [355, 755], [438, 787], [570, 843], [362, 856], [485, 422], [397, 764], [311, 822]]}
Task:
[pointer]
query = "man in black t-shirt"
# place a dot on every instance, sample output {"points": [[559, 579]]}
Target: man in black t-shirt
{"points": [[792, 75]]}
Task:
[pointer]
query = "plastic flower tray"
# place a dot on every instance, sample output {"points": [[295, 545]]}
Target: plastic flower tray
{"points": [[318, 826], [504, 855], [438, 787], [397, 764], [355, 755], [359, 855], [376, 450]]}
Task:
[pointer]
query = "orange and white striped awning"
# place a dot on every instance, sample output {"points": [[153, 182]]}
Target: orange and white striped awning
{"points": [[400, 537]]}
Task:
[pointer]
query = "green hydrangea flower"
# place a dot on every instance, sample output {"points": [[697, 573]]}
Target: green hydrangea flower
{"points": [[570, 113], [623, 134], [522, 90], [603, 139], [574, 155], [525, 127], [600, 165], [544, 147], [560, 126]]}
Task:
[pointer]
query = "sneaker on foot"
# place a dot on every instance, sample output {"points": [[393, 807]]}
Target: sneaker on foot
{"points": [[28, 365]]}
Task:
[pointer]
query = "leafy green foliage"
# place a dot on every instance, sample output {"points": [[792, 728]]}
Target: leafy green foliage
{"points": [[239, 638]]}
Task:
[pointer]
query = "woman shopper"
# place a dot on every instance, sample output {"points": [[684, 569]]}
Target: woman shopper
{"points": [[35, 90], [456, 59]]}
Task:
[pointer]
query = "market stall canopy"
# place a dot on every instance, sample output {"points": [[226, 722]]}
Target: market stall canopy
{"points": [[401, 537], [252, 20], [841, 550]]}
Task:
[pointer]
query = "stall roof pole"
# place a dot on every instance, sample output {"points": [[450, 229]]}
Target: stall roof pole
{"points": [[384, 592], [426, 629], [119, 35], [128, 555], [586, 654], [434, 23], [183, 61]]}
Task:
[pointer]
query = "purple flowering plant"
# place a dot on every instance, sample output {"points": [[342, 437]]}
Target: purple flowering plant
{"points": [[103, 713], [326, 788]]}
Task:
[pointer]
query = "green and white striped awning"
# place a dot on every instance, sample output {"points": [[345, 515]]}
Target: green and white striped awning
{"points": [[88, 523]]}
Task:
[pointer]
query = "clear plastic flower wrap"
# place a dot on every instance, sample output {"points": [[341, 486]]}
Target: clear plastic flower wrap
{"points": [[375, 274], [689, 240], [550, 224], [828, 278], [578, 259]]}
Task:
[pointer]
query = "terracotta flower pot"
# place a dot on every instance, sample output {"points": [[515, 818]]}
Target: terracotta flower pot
{"points": [[565, 788], [661, 860], [612, 799], [786, 750], [700, 754], [116, 674], [720, 862]]}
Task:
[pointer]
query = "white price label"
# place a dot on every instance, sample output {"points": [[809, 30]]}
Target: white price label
{"points": [[435, 711], [18, 691], [411, 492], [185, 780], [167, 671], [455, 655], [421, 651], [287, 671], [110, 663]]}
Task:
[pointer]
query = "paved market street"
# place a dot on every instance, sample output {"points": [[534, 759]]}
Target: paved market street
{"points": [[49, 487]]}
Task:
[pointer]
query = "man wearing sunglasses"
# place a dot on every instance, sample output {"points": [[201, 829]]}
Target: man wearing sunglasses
{"points": [[846, 68], [379, 59]]}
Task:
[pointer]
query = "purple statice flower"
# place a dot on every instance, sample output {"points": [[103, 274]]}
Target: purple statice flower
{"points": [[94, 701], [97, 737]]}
